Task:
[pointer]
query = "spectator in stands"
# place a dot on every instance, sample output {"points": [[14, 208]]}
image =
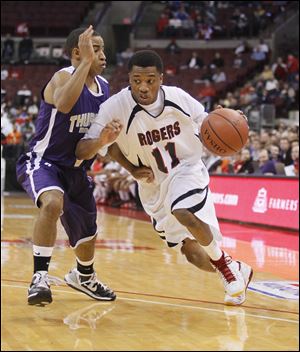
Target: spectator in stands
{"points": [[22, 117], [240, 23], [217, 61], [246, 166], [207, 94], [27, 130], [258, 56], [205, 32], [174, 27], [265, 165], [6, 124], [238, 61], [173, 47], [33, 107], [124, 56], [264, 47], [271, 85], [219, 76], [243, 48], [255, 147], [229, 101], [25, 49], [4, 73], [292, 67], [8, 50], [23, 95], [279, 69], [188, 28], [285, 151], [211, 161], [293, 168], [161, 25], [266, 74], [274, 152], [193, 62], [15, 137]]}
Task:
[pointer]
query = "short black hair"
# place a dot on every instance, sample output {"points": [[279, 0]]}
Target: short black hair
{"points": [[146, 58], [72, 40]]}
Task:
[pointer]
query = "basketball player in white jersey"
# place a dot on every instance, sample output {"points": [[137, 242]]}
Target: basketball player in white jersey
{"points": [[160, 130]]}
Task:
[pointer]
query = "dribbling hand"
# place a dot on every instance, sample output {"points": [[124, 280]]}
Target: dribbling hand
{"points": [[239, 111], [110, 132]]}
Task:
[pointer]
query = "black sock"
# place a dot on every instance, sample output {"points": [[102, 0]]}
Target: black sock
{"points": [[85, 269], [40, 263]]}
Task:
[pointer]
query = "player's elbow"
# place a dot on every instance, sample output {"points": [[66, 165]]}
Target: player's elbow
{"points": [[63, 107]]}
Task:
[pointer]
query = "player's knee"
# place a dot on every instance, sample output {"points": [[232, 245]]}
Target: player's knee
{"points": [[185, 217], [52, 205]]}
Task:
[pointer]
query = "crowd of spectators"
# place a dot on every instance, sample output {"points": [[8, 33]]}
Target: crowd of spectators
{"points": [[217, 19]]}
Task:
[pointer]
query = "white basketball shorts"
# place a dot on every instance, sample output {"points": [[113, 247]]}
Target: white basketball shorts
{"points": [[186, 188]]}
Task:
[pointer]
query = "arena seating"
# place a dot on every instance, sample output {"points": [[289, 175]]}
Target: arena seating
{"points": [[45, 18]]}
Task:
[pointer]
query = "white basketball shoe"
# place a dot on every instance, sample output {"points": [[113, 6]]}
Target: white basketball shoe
{"points": [[247, 273], [231, 276]]}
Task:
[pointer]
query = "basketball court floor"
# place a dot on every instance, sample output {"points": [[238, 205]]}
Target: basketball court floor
{"points": [[163, 303]]}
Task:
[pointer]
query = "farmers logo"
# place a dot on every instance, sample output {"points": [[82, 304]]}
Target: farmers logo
{"points": [[277, 289], [260, 203]]}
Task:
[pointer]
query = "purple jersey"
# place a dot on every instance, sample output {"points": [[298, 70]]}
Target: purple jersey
{"points": [[57, 134], [50, 164]]}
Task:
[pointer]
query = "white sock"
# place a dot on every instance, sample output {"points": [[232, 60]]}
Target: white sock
{"points": [[39, 251], [213, 250], [87, 263]]}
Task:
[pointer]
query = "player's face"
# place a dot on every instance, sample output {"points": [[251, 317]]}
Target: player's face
{"points": [[99, 62], [145, 83]]}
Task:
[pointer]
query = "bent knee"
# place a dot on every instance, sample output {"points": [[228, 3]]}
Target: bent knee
{"points": [[51, 203]]}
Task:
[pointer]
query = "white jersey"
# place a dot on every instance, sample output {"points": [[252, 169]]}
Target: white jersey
{"points": [[161, 142], [169, 144]]}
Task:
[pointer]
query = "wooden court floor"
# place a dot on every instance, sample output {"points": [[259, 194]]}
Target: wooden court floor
{"points": [[163, 303]]}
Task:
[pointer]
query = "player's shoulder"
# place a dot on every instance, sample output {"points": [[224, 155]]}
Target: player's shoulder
{"points": [[175, 92], [121, 100], [69, 69], [124, 95], [182, 98]]}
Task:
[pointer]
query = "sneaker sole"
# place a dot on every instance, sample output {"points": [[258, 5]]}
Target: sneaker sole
{"points": [[89, 293], [40, 299], [250, 278]]}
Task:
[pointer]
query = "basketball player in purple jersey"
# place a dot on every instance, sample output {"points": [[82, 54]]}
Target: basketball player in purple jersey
{"points": [[52, 176]]}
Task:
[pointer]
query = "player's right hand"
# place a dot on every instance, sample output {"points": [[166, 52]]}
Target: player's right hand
{"points": [[110, 132], [85, 45]]}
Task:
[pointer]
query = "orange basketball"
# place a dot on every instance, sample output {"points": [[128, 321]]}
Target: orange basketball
{"points": [[224, 131]]}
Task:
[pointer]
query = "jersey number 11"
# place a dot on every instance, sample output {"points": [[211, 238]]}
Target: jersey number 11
{"points": [[170, 148]]}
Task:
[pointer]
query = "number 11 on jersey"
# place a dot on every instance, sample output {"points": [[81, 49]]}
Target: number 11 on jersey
{"points": [[170, 148]]}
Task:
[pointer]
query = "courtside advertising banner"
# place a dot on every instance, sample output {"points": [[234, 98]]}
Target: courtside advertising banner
{"points": [[259, 200]]}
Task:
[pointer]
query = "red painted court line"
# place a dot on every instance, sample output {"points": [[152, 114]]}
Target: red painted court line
{"points": [[181, 299]]}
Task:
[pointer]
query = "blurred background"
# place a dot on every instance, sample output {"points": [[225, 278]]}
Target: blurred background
{"points": [[240, 54]]}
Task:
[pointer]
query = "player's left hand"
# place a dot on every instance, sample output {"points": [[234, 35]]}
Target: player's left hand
{"points": [[241, 113], [110, 132], [143, 173]]}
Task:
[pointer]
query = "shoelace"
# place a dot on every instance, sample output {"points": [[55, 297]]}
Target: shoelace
{"points": [[92, 282], [41, 280], [226, 274]]}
